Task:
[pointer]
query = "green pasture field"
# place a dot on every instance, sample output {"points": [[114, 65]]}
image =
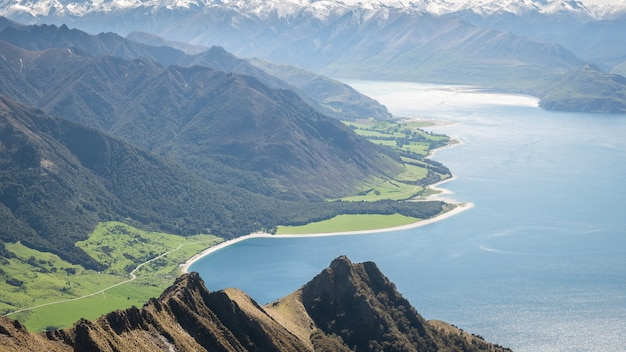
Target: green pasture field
{"points": [[45, 278], [344, 223], [420, 148], [404, 135], [65, 314], [408, 137], [32, 278], [387, 189], [412, 173]]}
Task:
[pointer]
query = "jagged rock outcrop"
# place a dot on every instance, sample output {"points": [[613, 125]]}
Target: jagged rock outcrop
{"points": [[347, 307]]}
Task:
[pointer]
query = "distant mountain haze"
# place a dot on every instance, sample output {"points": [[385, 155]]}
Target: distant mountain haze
{"points": [[512, 45], [329, 97]]}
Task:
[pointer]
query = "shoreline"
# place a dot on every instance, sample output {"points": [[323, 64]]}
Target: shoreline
{"points": [[460, 207], [440, 195]]}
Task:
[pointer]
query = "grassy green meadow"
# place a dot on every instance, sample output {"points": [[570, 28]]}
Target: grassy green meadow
{"points": [[44, 291], [33, 278], [342, 223], [414, 143]]}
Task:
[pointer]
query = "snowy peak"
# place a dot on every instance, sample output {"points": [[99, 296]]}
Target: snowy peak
{"points": [[318, 8], [524, 7]]}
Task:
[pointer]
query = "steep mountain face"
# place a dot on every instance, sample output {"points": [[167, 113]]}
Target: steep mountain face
{"points": [[361, 303], [587, 89], [317, 93], [601, 43], [29, 172], [59, 179], [590, 36], [188, 317], [329, 97], [215, 123], [341, 99], [426, 48]]}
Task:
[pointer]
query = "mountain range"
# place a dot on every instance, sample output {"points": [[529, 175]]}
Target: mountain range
{"points": [[215, 123], [171, 148], [321, 9], [347, 307], [515, 45], [322, 94]]}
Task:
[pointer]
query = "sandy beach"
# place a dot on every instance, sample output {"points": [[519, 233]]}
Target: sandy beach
{"points": [[442, 195], [460, 207]]}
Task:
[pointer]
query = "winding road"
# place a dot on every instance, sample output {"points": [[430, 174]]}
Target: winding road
{"points": [[131, 274]]}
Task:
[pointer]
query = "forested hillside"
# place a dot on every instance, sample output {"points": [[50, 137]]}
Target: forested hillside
{"points": [[59, 179], [226, 127]]}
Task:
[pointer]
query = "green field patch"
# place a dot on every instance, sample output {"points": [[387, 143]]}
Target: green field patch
{"points": [[32, 278], [389, 189], [412, 173], [344, 223], [65, 314], [369, 133], [421, 148], [404, 135], [418, 123], [122, 247], [385, 142], [414, 145]]}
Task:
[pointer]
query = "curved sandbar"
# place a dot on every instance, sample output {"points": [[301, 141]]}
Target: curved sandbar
{"points": [[460, 207]]}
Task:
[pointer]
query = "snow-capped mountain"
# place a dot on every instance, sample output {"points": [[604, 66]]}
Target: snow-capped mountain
{"points": [[321, 9], [524, 7], [465, 41]]}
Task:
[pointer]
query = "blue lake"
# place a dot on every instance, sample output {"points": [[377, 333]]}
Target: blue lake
{"points": [[539, 263]]}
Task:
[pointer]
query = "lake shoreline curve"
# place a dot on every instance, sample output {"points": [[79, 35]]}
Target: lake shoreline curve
{"points": [[441, 195], [459, 208]]}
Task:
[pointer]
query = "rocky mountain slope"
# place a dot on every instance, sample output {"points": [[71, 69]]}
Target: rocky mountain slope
{"points": [[226, 127], [347, 307], [317, 91]]}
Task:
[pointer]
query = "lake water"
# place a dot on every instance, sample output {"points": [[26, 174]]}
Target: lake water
{"points": [[539, 263]]}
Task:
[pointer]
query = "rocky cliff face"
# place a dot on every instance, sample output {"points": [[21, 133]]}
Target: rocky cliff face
{"points": [[347, 307]]}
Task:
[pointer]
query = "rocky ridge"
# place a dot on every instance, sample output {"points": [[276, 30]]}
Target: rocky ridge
{"points": [[347, 307]]}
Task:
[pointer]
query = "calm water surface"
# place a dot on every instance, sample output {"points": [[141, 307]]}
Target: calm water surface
{"points": [[539, 264]]}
